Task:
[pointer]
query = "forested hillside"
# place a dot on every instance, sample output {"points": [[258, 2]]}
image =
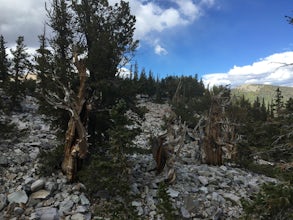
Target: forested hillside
{"points": [[266, 92], [82, 142]]}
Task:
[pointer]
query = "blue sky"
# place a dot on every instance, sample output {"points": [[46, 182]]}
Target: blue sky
{"points": [[223, 41], [226, 34]]}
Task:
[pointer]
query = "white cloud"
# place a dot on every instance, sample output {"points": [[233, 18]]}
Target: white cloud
{"points": [[189, 9], [22, 18], [152, 19], [160, 50], [270, 70]]}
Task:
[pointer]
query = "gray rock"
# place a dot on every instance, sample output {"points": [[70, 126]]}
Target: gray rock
{"points": [[173, 193], [204, 181], [18, 197], [84, 200], [41, 194], [79, 187], [75, 198], [34, 153], [204, 189], [190, 203], [136, 203], [37, 185], [3, 161], [3, 201], [21, 159], [184, 212], [18, 210], [134, 189], [65, 206], [51, 186], [218, 215], [28, 180], [139, 210], [78, 216], [232, 197], [47, 213], [81, 209]]}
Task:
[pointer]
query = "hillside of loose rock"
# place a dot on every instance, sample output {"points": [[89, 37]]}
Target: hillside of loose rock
{"points": [[199, 191]]}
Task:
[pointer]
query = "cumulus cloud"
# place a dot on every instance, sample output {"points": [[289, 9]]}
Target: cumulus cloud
{"points": [[272, 70], [152, 18]]}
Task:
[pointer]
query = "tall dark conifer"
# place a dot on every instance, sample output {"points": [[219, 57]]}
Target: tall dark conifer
{"points": [[20, 66], [4, 63]]}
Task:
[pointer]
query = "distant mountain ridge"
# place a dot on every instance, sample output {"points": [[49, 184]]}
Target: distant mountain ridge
{"points": [[268, 92]]}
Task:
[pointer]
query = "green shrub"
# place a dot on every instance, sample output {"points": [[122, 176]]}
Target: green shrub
{"points": [[272, 202], [51, 160], [165, 206]]}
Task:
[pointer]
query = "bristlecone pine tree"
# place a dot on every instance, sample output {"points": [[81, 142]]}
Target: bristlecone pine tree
{"points": [[103, 35]]}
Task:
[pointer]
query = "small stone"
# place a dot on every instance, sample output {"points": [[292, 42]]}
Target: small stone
{"points": [[28, 180], [189, 203], [81, 209], [50, 186], [65, 206], [3, 201], [18, 210], [84, 200], [75, 198], [173, 193], [18, 151], [204, 189], [78, 216], [37, 185], [204, 181], [134, 189], [3, 161], [41, 194], [34, 153], [139, 210], [224, 168], [231, 197], [47, 213], [184, 212], [136, 204], [18, 197], [79, 187]]}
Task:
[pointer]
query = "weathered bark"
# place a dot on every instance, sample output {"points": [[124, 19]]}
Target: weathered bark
{"points": [[212, 142], [76, 145], [163, 148]]}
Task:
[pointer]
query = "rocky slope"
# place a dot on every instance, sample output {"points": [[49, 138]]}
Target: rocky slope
{"points": [[199, 192], [24, 194]]}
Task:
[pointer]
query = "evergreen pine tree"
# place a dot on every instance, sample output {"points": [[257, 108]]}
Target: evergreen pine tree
{"points": [[20, 65], [4, 63], [278, 102]]}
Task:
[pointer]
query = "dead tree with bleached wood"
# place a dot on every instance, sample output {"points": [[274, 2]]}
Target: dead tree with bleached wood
{"points": [[166, 148], [76, 143], [219, 134]]}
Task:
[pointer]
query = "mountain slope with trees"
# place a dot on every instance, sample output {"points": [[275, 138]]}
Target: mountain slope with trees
{"points": [[266, 92], [203, 139]]}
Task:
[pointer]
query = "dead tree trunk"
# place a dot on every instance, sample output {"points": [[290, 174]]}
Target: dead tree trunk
{"points": [[213, 138], [76, 143]]}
